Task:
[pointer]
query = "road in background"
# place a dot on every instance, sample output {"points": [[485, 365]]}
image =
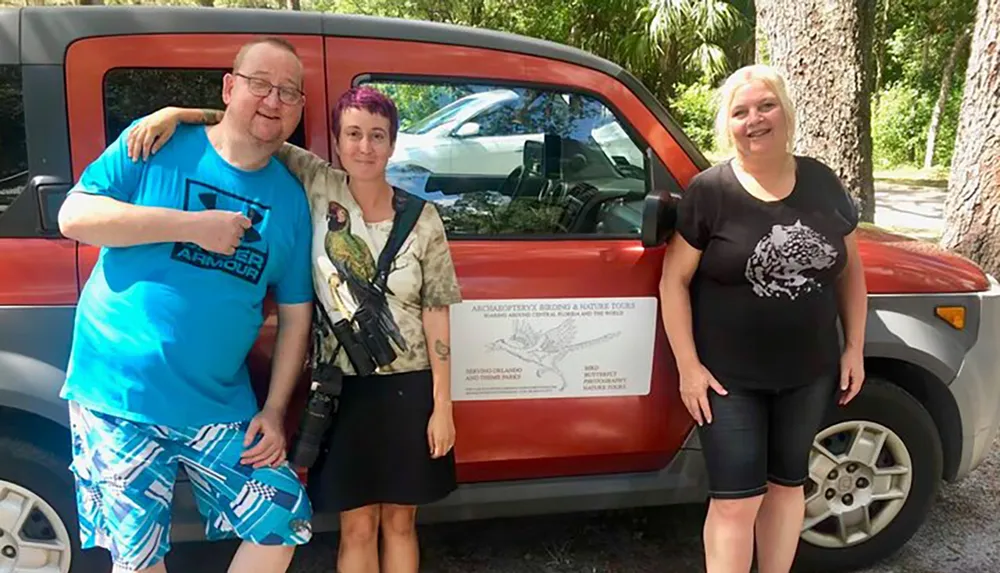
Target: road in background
{"points": [[910, 209]]}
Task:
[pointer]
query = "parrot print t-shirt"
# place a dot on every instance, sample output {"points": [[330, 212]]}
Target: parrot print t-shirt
{"points": [[764, 297], [346, 248]]}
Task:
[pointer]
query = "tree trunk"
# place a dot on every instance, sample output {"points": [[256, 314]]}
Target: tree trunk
{"points": [[942, 99], [972, 208], [207, 3], [823, 49], [91, 2], [294, 5]]}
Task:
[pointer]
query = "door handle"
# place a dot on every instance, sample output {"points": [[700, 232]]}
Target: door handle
{"points": [[50, 192]]}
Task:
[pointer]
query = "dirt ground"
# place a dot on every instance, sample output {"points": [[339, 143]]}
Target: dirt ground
{"points": [[961, 535]]}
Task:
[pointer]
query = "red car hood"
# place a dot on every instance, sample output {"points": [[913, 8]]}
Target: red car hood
{"points": [[898, 264]]}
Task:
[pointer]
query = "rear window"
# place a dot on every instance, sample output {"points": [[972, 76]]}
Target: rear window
{"points": [[130, 93], [13, 151]]}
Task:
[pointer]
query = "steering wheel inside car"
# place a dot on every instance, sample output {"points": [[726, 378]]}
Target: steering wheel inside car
{"points": [[512, 184]]}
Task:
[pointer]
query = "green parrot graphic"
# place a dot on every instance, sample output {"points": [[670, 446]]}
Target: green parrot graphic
{"points": [[345, 247], [355, 267]]}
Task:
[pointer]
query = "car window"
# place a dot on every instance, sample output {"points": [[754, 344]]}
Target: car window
{"points": [[130, 93], [13, 150], [508, 160]]}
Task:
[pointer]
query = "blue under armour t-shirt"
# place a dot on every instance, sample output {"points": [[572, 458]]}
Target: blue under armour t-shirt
{"points": [[162, 331]]}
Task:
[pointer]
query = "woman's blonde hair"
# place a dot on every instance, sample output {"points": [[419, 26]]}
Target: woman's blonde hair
{"points": [[774, 82]]}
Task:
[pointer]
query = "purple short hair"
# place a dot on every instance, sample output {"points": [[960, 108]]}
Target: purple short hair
{"points": [[370, 100]]}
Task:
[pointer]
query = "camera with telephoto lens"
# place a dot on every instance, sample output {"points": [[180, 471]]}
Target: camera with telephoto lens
{"points": [[367, 348], [318, 415]]}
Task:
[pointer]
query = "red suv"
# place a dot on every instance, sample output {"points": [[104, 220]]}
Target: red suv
{"points": [[543, 236]]}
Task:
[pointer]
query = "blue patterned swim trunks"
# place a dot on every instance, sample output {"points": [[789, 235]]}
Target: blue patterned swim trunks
{"points": [[125, 473]]}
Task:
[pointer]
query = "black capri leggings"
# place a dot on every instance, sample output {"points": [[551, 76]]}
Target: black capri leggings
{"points": [[757, 436]]}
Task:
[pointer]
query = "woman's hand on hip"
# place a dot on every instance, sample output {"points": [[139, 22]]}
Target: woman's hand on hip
{"points": [[441, 431], [695, 382]]}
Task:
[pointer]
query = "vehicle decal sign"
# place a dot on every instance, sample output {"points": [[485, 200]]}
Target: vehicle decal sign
{"points": [[552, 348]]}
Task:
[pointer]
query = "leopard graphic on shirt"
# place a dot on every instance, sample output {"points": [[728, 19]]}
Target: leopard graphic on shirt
{"points": [[783, 261]]}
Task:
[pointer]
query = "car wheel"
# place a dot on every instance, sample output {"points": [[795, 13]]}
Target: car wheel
{"points": [[38, 526], [874, 470]]}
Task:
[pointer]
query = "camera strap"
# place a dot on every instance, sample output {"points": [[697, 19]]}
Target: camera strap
{"points": [[407, 209]]}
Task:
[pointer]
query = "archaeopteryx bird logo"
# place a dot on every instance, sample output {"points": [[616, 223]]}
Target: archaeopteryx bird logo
{"points": [[546, 349]]}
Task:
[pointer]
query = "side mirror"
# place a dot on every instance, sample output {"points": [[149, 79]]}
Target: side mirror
{"points": [[469, 129], [659, 209]]}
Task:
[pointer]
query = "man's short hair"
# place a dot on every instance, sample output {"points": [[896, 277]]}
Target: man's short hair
{"points": [[271, 40]]}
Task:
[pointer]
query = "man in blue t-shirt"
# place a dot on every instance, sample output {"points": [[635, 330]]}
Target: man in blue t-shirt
{"points": [[191, 241]]}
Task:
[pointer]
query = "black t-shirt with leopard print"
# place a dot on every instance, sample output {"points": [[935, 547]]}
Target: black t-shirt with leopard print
{"points": [[764, 302]]}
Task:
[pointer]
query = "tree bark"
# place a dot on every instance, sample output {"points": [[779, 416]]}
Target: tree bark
{"points": [[207, 3], [972, 208], [824, 50], [942, 99], [294, 5]]}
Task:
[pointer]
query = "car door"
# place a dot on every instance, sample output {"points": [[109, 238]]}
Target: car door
{"points": [[38, 290], [111, 81], [560, 366]]}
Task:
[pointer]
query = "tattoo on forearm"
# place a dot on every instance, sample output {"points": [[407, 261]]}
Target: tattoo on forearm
{"points": [[443, 350], [212, 116]]}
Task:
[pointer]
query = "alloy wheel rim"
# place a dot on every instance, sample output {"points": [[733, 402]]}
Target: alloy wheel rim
{"points": [[33, 539], [860, 476]]}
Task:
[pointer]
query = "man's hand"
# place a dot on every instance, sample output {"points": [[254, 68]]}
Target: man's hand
{"points": [[218, 231], [270, 451]]}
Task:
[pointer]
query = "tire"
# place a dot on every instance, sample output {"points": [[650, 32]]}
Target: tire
{"points": [[46, 477], [880, 406]]}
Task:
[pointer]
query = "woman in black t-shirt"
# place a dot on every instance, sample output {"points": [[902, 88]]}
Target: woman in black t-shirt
{"points": [[763, 264]]}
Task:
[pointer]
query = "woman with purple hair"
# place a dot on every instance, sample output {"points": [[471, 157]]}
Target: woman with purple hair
{"points": [[391, 446]]}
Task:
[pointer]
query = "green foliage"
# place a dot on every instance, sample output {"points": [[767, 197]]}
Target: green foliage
{"points": [[919, 36], [695, 107], [899, 126], [662, 42], [900, 122], [944, 147]]}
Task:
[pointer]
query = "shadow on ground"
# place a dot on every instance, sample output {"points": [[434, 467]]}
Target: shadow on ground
{"points": [[961, 535]]}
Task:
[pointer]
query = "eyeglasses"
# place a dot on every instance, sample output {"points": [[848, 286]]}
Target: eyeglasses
{"points": [[262, 88]]}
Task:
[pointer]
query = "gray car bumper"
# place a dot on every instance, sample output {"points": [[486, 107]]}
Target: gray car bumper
{"points": [[976, 388]]}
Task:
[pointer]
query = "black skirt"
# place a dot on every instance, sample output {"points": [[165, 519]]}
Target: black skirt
{"points": [[378, 450]]}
